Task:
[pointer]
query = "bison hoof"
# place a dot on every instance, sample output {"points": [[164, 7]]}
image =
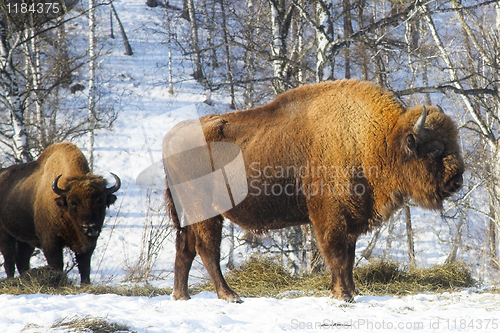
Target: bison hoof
{"points": [[180, 298], [348, 299], [232, 299]]}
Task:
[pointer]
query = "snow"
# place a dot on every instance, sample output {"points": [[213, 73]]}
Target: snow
{"points": [[464, 311], [133, 145]]}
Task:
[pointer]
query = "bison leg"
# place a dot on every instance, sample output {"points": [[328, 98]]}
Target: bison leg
{"points": [[185, 252], [23, 256], [335, 249], [351, 251], [54, 256], [340, 269], [8, 249], [83, 261], [208, 240]]}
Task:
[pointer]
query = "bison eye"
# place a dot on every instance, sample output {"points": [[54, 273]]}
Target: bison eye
{"points": [[72, 205], [435, 149]]}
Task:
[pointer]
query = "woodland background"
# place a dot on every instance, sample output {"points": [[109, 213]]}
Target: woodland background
{"points": [[243, 53]]}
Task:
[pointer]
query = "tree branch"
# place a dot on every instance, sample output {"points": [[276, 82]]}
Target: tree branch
{"points": [[446, 88]]}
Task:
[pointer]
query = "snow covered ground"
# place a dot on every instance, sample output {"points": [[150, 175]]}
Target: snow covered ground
{"points": [[464, 311], [132, 145]]}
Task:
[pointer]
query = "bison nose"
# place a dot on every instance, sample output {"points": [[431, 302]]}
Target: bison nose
{"points": [[455, 184], [90, 230]]}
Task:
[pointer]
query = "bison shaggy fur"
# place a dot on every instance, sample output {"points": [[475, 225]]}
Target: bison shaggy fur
{"points": [[52, 203], [365, 153]]}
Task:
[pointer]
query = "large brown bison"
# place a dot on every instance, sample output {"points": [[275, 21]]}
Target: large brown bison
{"points": [[52, 203], [343, 156]]}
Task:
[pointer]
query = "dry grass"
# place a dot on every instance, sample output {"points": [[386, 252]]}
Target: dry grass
{"points": [[265, 277], [257, 277], [47, 281], [389, 278], [90, 324]]}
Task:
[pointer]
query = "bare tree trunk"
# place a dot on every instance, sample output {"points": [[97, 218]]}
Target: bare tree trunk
{"points": [[492, 236], [324, 35], [230, 260], [20, 143], [35, 67], [126, 44], [494, 203], [409, 235], [495, 223], [452, 256], [390, 236], [248, 94], [92, 87], [228, 55], [367, 252], [280, 24], [198, 71], [362, 50], [111, 32], [347, 32], [168, 22], [210, 27]]}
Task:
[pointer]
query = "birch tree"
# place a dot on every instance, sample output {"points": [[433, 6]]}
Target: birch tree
{"points": [[325, 62], [280, 24], [12, 99], [126, 44], [92, 86], [484, 112], [195, 44]]}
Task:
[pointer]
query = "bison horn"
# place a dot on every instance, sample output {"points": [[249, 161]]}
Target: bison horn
{"points": [[115, 187], [56, 188], [419, 125]]}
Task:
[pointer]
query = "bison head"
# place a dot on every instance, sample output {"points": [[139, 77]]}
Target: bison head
{"points": [[84, 201], [432, 164]]}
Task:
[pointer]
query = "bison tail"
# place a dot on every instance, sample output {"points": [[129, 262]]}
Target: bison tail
{"points": [[171, 211]]}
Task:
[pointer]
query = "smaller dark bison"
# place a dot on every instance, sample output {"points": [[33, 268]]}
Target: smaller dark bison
{"points": [[52, 203]]}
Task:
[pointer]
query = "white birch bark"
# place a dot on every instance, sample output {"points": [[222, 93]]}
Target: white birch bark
{"points": [[198, 72], [20, 144], [35, 65], [277, 45], [92, 88], [324, 35], [168, 23], [228, 55], [248, 94]]}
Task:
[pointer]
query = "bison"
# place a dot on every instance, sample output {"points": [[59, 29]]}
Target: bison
{"points": [[52, 203], [341, 155]]}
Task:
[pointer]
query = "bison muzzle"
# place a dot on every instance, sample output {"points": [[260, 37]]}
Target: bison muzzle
{"points": [[343, 156]]}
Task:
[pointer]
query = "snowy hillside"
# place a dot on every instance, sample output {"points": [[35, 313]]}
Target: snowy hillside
{"points": [[147, 112]]}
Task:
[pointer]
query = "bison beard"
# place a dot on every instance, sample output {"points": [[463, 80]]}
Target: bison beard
{"points": [[341, 125], [52, 203]]}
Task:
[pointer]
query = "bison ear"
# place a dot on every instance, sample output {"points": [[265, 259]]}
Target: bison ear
{"points": [[61, 202], [411, 144], [110, 200]]}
